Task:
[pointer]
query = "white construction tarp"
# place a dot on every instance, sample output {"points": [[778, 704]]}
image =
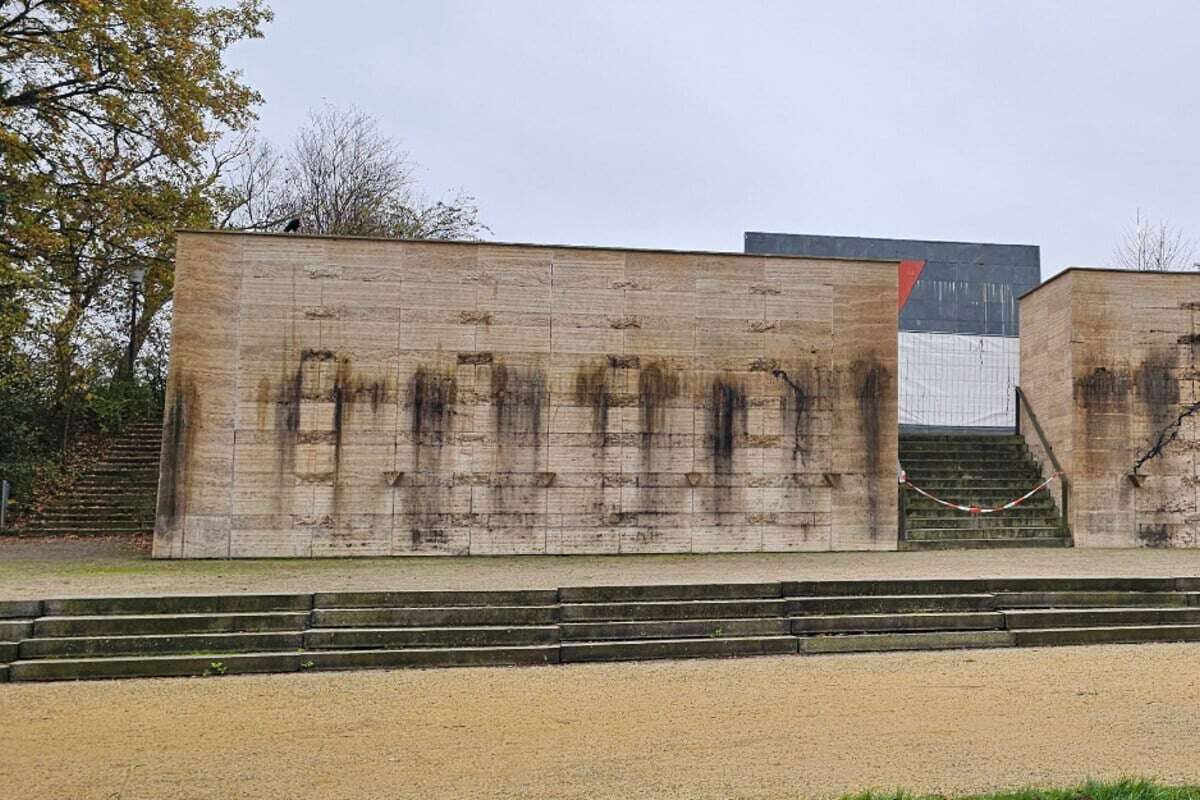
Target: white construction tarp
{"points": [[958, 380]]}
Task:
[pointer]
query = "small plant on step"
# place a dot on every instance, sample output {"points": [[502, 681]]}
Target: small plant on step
{"points": [[718, 632], [215, 668], [308, 664]]}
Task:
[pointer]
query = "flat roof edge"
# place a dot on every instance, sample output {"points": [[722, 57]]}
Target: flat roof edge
{"points": [[888, 239], [1108, 270], [488, 243]]}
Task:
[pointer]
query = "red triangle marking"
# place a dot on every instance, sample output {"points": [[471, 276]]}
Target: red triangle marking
{"points": [[910, 271]]}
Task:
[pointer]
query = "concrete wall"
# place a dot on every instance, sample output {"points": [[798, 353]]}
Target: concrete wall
{"points": [[333, 397], [1108, 361]]}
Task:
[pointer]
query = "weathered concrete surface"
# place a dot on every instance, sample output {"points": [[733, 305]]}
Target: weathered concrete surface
{"points": [[332, 397], [1109, 362], [91, 568], [764, 728]]}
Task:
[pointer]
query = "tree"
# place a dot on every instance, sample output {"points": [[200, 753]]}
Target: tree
{"points": [[112, 114], [343, 176], [1154, 246]]}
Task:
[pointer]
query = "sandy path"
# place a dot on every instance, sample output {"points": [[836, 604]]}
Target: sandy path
{"points": [[756, 728], [35, 569]]}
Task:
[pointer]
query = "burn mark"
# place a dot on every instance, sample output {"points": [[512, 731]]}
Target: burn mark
{"points": [[871, 386], [592, 390], [1154, 535], [623, 362], [475, 358], [431, 399], [178, 437]]}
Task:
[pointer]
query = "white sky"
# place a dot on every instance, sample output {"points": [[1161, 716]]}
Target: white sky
{"points": [[683, 124]]}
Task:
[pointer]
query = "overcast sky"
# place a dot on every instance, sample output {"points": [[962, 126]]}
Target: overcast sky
{"points": [[683, 124]]}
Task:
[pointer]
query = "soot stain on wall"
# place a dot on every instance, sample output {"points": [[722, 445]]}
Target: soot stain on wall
{"points": [[519, 398], [727, 424], [431, 400], [872, 382], [178, 440], [592, 391], [658, 384], [1102, 389], [1157, 387]]}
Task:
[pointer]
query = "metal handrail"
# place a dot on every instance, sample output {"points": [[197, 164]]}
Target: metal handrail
{"points": [[1023, 403]]}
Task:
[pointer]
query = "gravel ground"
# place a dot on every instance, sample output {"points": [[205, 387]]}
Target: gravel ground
{"points": [[774, 727], [41, 568]]}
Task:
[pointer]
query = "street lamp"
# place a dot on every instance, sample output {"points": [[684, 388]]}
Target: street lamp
{"points": [[136, 277]]}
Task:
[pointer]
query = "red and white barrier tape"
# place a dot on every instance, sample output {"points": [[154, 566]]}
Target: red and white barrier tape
{"points": [[976, 509]]}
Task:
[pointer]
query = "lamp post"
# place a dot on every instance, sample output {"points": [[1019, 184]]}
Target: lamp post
{"points": [[136, 277]]}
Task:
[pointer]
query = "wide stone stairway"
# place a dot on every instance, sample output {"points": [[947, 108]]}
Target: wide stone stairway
{"points": [[114, 496], [975, 470], [226, 634]]}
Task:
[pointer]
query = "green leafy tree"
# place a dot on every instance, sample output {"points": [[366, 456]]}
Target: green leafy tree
{"points": [[112, 114]]}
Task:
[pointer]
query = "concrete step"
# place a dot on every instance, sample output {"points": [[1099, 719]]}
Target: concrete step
{"points": [[1047, 637], [918, 534], [435, 599], [875, 623], [976, 543], [165, 624], [1100, 617], [143, 666], [431, 657], [673, 609], [176, 604], [15, 630], [1097, 599], [636, 650], [901, 586], [450, 616], [982, 523], [404, 638], [699, 591], [674, 629], [1080, 584], [20, 609], [888, 604], [886, 642], [97, 646], [8, 652]]}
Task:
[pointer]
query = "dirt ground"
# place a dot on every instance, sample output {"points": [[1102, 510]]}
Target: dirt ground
{"points": [[42, 568], [779, 727]]}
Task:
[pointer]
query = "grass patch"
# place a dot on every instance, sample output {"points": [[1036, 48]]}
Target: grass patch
{"points": [[1125, 789]]}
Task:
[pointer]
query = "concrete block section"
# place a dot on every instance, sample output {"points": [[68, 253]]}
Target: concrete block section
{"points": [[884, 587], [15, 630], [435, 599], [168, 624], [1048, 637], [178, 604], [15, 609], [671, 610], [677, 648], [8, 652], [1100, 618], [1089, 599], [216, 665], [433, 617], [870, 623], [1084, 584], [430, 657], [153, 645], [403, 638], [889, 604], [674, 629], [882, 642], [699, 591]]}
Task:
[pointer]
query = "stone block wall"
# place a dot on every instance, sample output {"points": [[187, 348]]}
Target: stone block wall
{"points": [[336, 396], [1108, 361]]}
